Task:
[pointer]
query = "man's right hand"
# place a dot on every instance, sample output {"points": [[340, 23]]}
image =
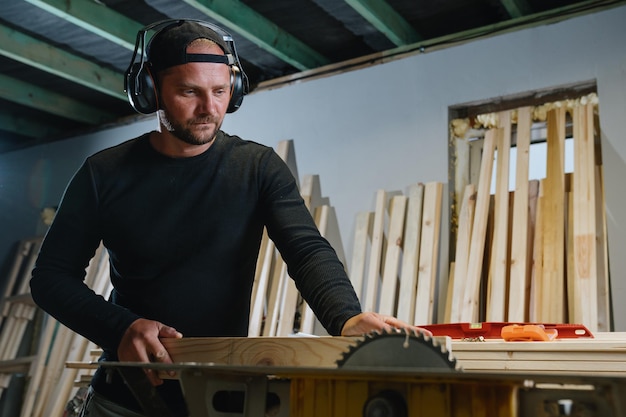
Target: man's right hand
{"points": [[141, 343]]}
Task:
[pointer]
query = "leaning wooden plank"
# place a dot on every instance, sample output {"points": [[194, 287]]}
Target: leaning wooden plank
{"points": [[261, 282], [326, 221], [311, 191], [552, 299], [35, 387], [411, 253], [277, 287], [534, 308], [376, 253], [604, 293], [429, 254], [362, 239], [569, 244], [585, 280], [519, 241], [533, 194], [393, 252], [479, 228], [287, 152], [54, 365], [24, 250], [461, 258], [496, 294], [281, 318]]}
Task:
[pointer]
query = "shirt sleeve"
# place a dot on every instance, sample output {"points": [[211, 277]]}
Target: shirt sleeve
{"points": [[311, 261], [57, 283]]}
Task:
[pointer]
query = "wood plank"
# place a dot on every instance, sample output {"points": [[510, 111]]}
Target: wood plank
{"points": [[585, 280], [261, 283], [519, 239], [389, 284], [429, 253], [373, 277], [411, 253], [552, 300], [288, 307], [265, 351], [362, 238], [534, 301], [287, 151], [569, 244], [461, 258], [496, 294], [533, 195], [277, 282], [479, 228], [328, 225], [604, 287]]}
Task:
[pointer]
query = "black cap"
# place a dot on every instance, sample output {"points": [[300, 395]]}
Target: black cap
{"points": [[169, 47]]}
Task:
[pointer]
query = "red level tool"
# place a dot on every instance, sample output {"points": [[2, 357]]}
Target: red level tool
{"points": [[493, 330]]}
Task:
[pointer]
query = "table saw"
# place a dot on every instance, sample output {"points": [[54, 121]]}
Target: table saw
{"points": [[398, 374]]}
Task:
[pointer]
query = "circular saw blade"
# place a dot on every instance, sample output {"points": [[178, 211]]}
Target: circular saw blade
{"points": [[399, 349]]}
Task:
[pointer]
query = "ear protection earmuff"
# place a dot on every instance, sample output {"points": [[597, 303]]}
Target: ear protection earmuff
{"points": [[139, 82]]}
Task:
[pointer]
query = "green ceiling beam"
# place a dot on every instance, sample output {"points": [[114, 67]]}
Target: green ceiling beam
{"points": [[267, 35], [94, 17], [516, 8], [14, 123], [30, 51], [384, 18], [30, 95]]}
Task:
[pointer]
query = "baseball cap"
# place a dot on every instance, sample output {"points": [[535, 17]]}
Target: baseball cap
{"points": [[169, 47]]}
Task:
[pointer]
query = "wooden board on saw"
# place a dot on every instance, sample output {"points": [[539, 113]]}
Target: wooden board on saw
{"points": [[271, 351], [603, 355], [323, 351]]}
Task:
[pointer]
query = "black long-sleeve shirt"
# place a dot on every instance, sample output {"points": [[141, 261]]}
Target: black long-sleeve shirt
{"points": [[183, 237]]}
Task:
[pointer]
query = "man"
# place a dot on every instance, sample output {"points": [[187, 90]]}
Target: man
{"points": [[181, 212]]}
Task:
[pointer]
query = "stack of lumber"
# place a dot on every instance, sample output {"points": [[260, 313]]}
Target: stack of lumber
{"points": [[395, 253], [51, 385], [18, 312], [538, 253], [604, 355], [276, 308]]}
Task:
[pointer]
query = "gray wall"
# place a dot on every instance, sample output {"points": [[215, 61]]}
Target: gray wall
{"points": [[384, 126]]}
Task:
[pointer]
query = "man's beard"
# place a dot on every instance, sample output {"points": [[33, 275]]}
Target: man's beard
{"points": [[183, 131]]}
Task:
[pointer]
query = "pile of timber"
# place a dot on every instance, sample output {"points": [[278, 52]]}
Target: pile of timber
{"points": [[538, 253], [535, 254], [37, 346], [276, 308], [395, 253]]}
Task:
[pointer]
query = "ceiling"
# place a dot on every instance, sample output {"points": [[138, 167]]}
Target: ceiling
{"points": [[62, 62]]}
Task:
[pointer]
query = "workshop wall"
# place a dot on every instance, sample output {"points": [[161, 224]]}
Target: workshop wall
{"points": [[382, 127]]}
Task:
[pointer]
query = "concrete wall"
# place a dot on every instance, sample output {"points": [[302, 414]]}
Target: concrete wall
{"points": [[384, 127]]}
